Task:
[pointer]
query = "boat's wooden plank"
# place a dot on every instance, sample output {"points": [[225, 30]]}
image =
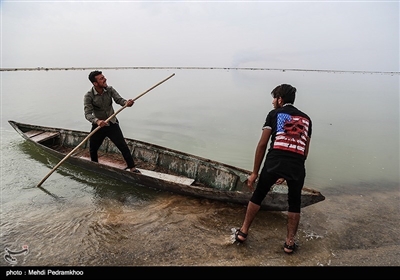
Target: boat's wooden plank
{"points": [[44, 136], [167, 177], [158, 175], [32, 133]]}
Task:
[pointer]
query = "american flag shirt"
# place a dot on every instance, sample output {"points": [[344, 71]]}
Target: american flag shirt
{"points": [[290, 130]]}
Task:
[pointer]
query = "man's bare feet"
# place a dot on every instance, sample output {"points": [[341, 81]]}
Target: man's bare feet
{"points": [[133, 169], [280, 181]]}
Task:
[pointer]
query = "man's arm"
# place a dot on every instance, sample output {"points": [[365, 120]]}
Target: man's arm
{"points": [[260, 150], [259, 156], [117, 98], [306, 149], [88, 109]]}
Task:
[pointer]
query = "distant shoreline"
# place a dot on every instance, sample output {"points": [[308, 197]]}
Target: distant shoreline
{"points": [[197, 68]]}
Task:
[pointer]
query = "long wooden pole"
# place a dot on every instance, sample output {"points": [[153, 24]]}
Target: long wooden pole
{"points": [[97, 128]]}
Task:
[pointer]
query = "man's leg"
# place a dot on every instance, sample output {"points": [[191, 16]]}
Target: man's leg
{"points": [[95, 142], [251, 212], [117, 138], [263, 186], [293, 219]]}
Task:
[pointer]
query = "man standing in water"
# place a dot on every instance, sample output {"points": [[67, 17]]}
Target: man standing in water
{"points": [[98, 108], [290, 132]]}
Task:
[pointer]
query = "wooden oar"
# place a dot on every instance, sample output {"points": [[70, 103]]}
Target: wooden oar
{"points": [[97, 128]]}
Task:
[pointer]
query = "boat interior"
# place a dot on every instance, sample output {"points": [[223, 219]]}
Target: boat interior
{"points": [[151, 160]]}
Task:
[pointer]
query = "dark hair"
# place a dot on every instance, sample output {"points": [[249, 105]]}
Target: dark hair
{"points": [[93, 74], [286, 92]]}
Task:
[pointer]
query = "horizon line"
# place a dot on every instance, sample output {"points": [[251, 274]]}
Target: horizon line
{"points": [[197, 68]]}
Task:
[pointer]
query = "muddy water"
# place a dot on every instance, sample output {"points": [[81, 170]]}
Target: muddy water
{"points": [[86, 219]]}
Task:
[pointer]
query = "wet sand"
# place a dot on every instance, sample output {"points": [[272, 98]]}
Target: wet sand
{"points": [[355, 234], [352, 230]]}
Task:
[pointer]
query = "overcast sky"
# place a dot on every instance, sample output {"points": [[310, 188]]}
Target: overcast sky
{"points": [[338, 35]]}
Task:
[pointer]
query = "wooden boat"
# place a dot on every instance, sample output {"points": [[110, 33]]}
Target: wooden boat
{"points": [[161, 168]]}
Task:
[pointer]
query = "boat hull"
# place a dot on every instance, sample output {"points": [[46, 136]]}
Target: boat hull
{"points": [[162, 168]]}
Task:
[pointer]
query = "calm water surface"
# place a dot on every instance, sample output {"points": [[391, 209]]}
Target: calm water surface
{"points": [[83, 218]]}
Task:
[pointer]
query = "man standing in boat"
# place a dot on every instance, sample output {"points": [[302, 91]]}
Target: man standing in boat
{"points": [[98, 108], [290, 132]]}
